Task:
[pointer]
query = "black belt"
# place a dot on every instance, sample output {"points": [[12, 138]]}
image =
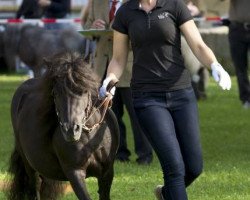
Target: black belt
{"points": [[245, 25]]}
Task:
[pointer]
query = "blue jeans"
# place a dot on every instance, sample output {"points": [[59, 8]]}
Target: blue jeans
{"points": [[142, 147], [170, 122]]}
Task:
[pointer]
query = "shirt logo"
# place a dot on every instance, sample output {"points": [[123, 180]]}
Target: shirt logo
{"points": [[163, 15]]}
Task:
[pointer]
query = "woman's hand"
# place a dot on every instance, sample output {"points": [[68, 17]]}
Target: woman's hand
{"points": [[108, 86], [98, 24], [221, 76]]}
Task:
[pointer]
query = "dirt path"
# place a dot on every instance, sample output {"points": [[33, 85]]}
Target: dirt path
{"points": [[1, 185]]}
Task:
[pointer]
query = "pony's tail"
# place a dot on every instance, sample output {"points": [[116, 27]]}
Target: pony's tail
{"points": [[18, 186]]}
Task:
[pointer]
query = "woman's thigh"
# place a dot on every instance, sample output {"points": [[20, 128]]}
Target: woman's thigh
{"points": [[159, 127], [170, 121], [185, 117]]}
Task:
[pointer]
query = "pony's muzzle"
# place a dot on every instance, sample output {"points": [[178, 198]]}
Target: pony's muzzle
{"points": [[71, 132], [76, 128]]}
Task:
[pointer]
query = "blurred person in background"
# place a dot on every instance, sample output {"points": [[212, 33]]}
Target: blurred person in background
{"points": [[196, 7], [56, 9], [101, 16], [239, 40], [85, 12], [90, 43], [29, 9]]}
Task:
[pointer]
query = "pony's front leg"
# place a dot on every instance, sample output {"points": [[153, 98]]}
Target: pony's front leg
{"points": [[104, 184], [77, 181]]}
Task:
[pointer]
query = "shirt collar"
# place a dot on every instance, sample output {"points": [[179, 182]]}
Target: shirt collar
{"points": [[134, 4]]}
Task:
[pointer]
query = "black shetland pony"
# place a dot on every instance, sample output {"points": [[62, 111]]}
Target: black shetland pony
{"points": [[60, 134]]}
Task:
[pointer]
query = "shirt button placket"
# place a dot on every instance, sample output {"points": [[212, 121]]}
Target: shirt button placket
{"points": [[149, 16]]}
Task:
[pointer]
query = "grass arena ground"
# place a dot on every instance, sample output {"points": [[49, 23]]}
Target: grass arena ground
{"points": [[225, 133]]}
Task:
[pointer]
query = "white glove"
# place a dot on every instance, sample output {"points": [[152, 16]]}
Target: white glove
{"points": [[221, 76], [103, 89]]}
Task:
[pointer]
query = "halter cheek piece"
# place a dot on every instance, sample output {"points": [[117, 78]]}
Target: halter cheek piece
{"points": [[90, 111], [105, 103]]}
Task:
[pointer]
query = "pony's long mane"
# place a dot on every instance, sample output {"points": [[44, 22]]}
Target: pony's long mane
{"points": [[69, 71]]}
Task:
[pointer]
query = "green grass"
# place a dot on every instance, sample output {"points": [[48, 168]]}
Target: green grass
{"points": [[225, 128]]}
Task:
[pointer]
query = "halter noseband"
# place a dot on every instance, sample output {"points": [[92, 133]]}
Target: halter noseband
{"points": [[90, 111]]}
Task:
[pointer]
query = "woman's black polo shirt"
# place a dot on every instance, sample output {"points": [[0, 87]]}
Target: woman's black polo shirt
{"points": [[155, 38]]}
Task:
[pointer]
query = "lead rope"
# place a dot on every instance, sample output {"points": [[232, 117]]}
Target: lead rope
{"points": [[106, 103]]}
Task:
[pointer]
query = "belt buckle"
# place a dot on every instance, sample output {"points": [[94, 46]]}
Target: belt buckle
{"points": [[247, 26]]}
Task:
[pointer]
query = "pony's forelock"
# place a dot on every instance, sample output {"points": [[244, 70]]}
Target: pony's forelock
{"points": [[70, 70]]}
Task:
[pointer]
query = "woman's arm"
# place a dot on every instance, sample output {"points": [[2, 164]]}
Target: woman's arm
{"points": [[120, 55], [204, 54], [117, 63], [197, 45]]}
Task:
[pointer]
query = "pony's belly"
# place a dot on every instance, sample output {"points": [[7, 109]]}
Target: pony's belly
{"points": [[54, 176], [41, 157], [47, 167]]}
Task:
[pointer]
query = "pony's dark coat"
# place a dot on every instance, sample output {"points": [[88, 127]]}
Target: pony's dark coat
{"points": [[41, 153]]}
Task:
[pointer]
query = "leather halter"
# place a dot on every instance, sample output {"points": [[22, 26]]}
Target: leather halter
{"points": [[105, 103], [90, 111]]}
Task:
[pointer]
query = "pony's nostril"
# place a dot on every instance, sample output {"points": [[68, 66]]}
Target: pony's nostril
{"points": [[76, 128]]}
